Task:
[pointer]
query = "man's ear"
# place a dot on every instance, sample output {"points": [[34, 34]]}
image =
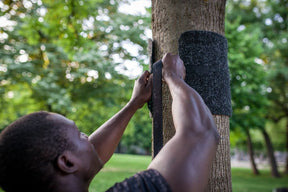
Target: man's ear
{"points": [[67, 162]]}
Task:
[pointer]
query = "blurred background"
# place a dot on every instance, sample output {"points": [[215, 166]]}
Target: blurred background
{"points": [[80, 59]]}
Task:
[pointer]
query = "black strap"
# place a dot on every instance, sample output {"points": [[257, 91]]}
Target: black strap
{"points": [[155, 106]]}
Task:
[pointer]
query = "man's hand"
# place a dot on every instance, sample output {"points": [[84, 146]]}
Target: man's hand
{"points": [[142, 90], [106, 138], [173, 67]]}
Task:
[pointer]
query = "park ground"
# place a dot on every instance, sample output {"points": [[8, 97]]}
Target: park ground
{"points": [[122, 166]]}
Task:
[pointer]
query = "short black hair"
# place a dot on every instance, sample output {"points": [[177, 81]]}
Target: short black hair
{"points": [[29, 148]]}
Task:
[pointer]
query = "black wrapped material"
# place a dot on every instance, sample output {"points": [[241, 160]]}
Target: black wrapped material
{"points": [[155, 106], [204, 54]]}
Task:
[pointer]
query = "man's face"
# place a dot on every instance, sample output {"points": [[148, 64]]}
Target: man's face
{"points": [[88, 158]]}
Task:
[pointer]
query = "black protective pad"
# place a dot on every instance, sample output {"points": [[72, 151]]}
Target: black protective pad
{"points": [[204, 54]]}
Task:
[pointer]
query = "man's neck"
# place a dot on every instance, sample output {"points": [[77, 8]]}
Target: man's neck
{"points": [[70, 184]]}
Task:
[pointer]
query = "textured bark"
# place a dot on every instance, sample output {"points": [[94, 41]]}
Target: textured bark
{"points": [[170, 18], [270, 153], [220, 175], [251, 154]]}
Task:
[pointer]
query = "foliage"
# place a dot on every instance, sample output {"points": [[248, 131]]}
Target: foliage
{"points": [[248, 77], [68, 57], [139, 132], [276, 25], [267, 19]]}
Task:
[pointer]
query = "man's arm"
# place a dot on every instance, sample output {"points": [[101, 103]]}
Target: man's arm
{"points": [[106, 138], [186, 159]]}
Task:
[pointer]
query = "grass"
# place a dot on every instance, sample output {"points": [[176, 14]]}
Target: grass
{"points": [[117, 169], [123, 166], [244, 181]]}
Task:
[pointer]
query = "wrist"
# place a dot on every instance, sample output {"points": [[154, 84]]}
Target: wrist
{"points": [[133, 105], [170, 76]]}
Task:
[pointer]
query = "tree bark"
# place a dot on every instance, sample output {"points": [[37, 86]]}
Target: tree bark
{"points": [[270, 153], [170, 18], [251, 154], [220, 175]]}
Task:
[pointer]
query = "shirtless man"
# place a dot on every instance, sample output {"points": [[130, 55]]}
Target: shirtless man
{"points": [[45, 151]]}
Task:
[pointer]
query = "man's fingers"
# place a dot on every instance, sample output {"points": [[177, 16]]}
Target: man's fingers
{"points": [[150, 78], [144, 77]]}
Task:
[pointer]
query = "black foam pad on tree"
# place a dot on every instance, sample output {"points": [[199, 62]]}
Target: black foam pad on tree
{"points": [[204, 54]]}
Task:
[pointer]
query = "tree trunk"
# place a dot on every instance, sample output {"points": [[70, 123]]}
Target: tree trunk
{"points": [[251, 154], [220, 176], [170, 18], [270, 153]]}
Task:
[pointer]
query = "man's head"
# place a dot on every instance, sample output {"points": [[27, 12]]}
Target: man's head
{"points": [[40, 148]]}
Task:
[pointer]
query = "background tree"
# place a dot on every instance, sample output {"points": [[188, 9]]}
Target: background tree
{"points": [[268, 17], [248, 81], [276, 26]]}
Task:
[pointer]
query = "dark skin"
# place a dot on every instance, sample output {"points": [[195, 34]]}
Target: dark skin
{"points": [[184, 161]]}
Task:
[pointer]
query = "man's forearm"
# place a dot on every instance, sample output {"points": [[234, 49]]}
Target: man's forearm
{"points": [[106, 138], [188, 108]]}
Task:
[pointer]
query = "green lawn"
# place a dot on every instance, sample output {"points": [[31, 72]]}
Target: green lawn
{"points": [[123, 166], [244, 181], [117, 169]]}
